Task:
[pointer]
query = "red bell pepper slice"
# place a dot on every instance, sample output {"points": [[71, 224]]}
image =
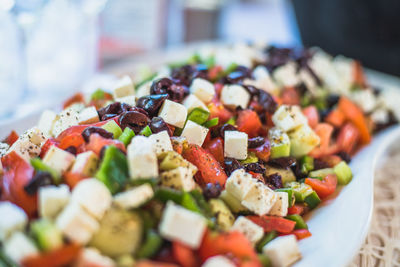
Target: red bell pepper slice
{"points": [[270, 223], [210, 171], [11, 138], [348, 138], [17, 174], [325, 187], [300, 234], [358, 74], [312, 116], [56, 258], [297, 209], [336, 118], [76, 98], [216, 148], [184, 255], [248, 122]]}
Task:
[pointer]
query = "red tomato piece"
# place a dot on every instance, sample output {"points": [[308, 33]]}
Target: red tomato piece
{"points": [[312, 115], [324, 131], [336, 118], [214, 72], [234, 243], [56, 258], [17, 174], [11, 138], [96, 143], [218, 88], [216, 148], [299, 234], [248, 122], [290, 96], [217, 110], [358, 74], [325, 187], [262, 152], [297, 209], [76, 98], [184, 255], [354, 114], [72, 178], [149, 263], [270, 223], [348, 138], [76, 140], [49, 142]]}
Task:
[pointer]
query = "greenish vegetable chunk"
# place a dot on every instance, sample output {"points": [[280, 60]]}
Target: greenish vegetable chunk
{"points": [[321, 174], [211, 123], [286, 174], [300, 223], [223, 215], [268, 237], [198, 115], [189, 202], [126, 136], [265, 261], [113, 128], [343, 173], [232, 202], [113, 171], [251, 158], [39, 165], [171, 160], [97, 95], [146, 131], [46, 234], [165, 193], [231, 121], [151, 245], [307, 164], [312, 200], [300, 190]]}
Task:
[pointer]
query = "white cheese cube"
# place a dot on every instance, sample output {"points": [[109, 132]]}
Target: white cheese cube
{"points": [[191, 102], [259, 199], [180, 178], [218, 261], [58, 159], [144, 89], [378, 116], [239, 183], [76, 224], [12, 218], [29, 144], [286, 75], [124, 87], [203, 89], [180, 224], [46, 122], [91, 257], [288, 117], [283, 251], [194, 133], [67, 118], [130, 100], [19, 246], [365, 99], [235, 145], [308, 80], [4, 147], [251, 231], [93, 196], [142, 159], [234, 96], [85, 163], [52, 199], [135, 197], [88, 115], [173, 113], [281, 205], [161, 142]]}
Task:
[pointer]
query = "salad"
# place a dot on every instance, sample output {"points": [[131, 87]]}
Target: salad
{"points": [[213, 161]]}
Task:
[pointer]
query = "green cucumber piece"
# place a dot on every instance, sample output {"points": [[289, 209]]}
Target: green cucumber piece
{"points": [[232, 202], [312, 200], [113, 171], [300, 223], [286, 174], [211, 123], [290, 193], [165, 193], [321, 174], [126, 136], [268, 237], [113, 128], [198, 115], [47, 235], [343, 173], [251, 158], [300, 190], [307, 164], [39, 165], [264, 260], [223, 215], [146, 131], [151, 245], [279, 151]]}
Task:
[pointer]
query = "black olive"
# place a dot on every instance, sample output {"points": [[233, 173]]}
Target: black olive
{"points": [[283, 162], [71, 149], [267, 102], [212, 190], [134, 119], [274, 181], [176, 92], [39, 180], [256, 142], [151, 103], [113, 110], [157, 125], [226, 127], [254, 167], [344, 156], [231, 165], [319, 164], [93, 129]]}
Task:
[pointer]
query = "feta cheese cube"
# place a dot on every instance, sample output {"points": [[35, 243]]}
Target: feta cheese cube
{"points": [[91, 257], [234, 96], [173, 113], [194, 133], [281, 205], [282, 251], [135, 197], [12, 218], [365, 99], [180, 224], [3, 149], [29, 144], [93, 196], [378, 116], [144, 89], [286, 75], [203, 89], [19, 246], [180, 178], [124, 87], [288, 117], [88, 115], [308, 80], [67, 118], [218, 261], [161, 142], [239, 183], [259, 198], [58, 159], [251, 231], [85, 163], [76, 224], [142, 159], [235, 145], [130, 100], [52, 199], [46, 122], [191, 102]]}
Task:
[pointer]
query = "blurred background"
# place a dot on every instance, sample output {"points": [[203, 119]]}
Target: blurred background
{"points": [[50, 48]]}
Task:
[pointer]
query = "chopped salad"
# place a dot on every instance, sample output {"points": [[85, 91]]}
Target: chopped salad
{"points": [[213, 161]]}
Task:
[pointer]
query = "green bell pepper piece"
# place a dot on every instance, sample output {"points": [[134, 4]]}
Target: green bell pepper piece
{"points": [[198, 115], [307, 164], [300, 223], [113, 171], [165, 193], [146, 131], [97, 95], [265, 261], [231, 121], [268, 237], [151, 245], [211, 123], [126, 136], [343, 173], [39, 165], [312, 200], [113, 128], [202, 203], [189, 202]]}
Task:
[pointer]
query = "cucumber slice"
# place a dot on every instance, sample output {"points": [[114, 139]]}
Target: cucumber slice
{"points": [[146, 131], [222, 213], [307, 164], [232, 202], [321, 174], [126, 136], [312, 200], [47, 235], [343, 173], [251, 158], [113, 128], [151, 245], [302, 140]]}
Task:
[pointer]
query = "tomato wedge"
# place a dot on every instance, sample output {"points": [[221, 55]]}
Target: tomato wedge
{"points": [[184, 255], [11, 138], [217, 110], [97, 142], [17, 174], [270, 223], [290, 96], [216, 148], [56, 258], [324, 131], [354, 114], [312, 116], [325, 187], [297, 209], [72, 178], [335, 117], [210, 171], [248, 122], [348, 138]]}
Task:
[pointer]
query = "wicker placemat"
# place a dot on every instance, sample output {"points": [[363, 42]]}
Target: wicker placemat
{"points": [[382, 245]]}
